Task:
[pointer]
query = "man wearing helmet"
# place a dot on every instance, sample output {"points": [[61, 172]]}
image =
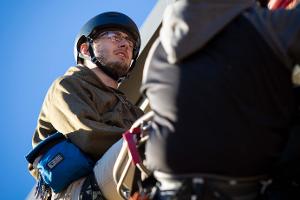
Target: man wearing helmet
{"points": [[108, 26], [85, 104]]}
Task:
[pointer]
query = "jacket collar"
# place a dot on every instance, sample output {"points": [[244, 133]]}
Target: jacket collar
{"points": [[189, 24], [87, 75]]}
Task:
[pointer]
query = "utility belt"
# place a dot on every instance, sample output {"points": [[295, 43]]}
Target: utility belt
{"points": [[208, 187]]}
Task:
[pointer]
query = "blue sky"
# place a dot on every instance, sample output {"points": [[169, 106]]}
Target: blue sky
{"points": [[37, 46]]}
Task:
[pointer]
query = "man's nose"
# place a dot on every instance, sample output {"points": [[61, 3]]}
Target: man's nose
{"points": [[124, 43]]}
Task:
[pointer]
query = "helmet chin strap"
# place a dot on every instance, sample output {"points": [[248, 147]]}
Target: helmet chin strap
{"points": [[108, 71]]}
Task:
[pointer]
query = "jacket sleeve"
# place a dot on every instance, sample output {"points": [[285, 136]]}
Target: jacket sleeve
{"points": [[72, 112], [286, 25]]}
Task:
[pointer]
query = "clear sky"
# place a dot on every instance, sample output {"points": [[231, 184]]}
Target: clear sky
{"points": [[36, 47]]}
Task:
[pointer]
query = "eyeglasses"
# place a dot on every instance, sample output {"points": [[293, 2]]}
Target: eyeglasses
{"points": [[117, 37]]}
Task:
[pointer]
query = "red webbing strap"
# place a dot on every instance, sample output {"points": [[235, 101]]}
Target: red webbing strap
{"points": [[131, 143], [276, 4]]}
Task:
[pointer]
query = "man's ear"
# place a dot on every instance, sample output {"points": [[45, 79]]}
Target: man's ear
{"points": [[84, 49]]}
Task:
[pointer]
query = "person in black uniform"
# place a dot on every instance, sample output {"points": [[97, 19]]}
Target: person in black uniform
{"points": [[219, 82]]}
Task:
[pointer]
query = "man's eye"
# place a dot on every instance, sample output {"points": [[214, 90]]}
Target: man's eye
{"points": [[116, 38]]}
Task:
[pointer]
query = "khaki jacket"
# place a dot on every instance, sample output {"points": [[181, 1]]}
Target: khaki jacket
{"points": [[92, 115]]}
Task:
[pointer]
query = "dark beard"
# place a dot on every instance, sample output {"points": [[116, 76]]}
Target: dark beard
{"points": [[118, 69]]}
